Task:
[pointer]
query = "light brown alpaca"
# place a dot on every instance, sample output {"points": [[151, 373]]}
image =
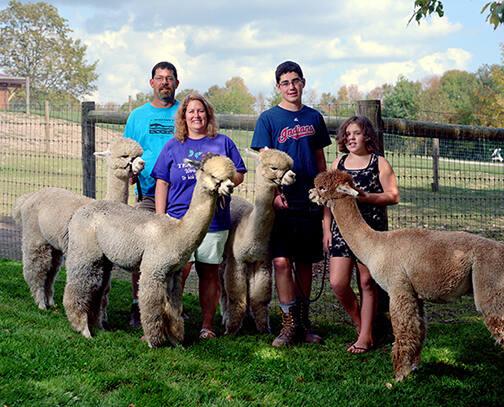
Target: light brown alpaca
{"points": [[103, 234], [45, 215], [246, 271], [414, 265]]}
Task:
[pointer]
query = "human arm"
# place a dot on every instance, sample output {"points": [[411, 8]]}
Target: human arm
{"points": [[238, 178], [320, 160], [160, 195], [326, 230], [388, 180]]}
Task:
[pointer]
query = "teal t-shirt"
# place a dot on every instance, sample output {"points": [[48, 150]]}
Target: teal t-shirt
{"points": [[151, 127]]}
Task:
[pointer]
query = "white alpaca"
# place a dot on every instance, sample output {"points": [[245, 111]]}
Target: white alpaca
{"points": [[246, 271], [45, 215], [103, 234], [414, 265]]}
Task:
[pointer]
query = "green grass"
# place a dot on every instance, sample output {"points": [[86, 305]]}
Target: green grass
{"points": [[44, 363]]}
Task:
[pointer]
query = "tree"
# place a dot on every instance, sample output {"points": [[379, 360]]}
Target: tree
{"points": [[275, 98], [328, 103], [489, 106], [181, 94], [424, 8], [36, 43], [378, 92], [233, 98], [459, 89], [141, 98], [401, 101]]}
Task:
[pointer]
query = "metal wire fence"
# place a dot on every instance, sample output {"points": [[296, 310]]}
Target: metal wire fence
{"points": [[450, 182]]}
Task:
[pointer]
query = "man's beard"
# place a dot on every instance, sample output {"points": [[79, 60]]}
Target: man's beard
{"points": [[167, 96]]}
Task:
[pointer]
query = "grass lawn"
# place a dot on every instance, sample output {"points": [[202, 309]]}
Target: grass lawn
{"points": [[44, 363]]}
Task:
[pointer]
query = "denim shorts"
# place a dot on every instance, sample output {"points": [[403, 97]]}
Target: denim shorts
{"points": [[211, 249]]}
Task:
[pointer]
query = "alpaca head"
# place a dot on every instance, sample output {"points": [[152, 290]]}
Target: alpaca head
{"points": [[332, 185], [274, 166], [215, 174], [123, 158]]}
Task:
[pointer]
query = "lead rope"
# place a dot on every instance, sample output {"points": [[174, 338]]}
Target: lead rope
{"points": [[139, 190], [322, 284]]}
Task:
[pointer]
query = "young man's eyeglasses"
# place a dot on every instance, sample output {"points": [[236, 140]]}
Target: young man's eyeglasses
{"points": [[295, 82]]}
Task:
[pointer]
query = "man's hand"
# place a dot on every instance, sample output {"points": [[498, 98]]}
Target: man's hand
{"points": [[280, 202], [133, 179]]}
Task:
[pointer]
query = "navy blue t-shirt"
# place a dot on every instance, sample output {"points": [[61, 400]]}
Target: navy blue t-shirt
{"points": [[298, 134]]}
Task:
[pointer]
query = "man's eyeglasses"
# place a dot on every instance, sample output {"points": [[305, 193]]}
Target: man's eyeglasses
{"points": [[295, 82], [162, 79]]}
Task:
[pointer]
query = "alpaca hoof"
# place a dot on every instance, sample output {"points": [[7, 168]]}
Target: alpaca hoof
{"points": [[42, 306], [86, 332]]}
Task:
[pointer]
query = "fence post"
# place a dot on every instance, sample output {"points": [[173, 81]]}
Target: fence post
{"points": [[88, 149], [382, 328], [435, 165], [27, 86], [47, 127], [372, 110]]}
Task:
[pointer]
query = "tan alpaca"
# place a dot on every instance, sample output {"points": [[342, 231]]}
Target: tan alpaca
{"points": [[103, 234], [246, 271], [45, 215], [414, 265]]}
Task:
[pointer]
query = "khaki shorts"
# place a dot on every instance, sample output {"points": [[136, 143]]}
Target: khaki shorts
{"points": [[211, 249]]}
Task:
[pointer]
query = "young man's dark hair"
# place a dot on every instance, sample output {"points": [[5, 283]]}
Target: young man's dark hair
{"points": [[165, 65], [285, 67]]}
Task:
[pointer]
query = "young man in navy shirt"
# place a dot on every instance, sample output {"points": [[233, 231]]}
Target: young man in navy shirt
{"points": [[296, 240]]}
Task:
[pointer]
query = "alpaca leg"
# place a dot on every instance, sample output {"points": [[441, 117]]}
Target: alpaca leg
{"points": [[409, 330], [489, 294], [155, 309], [40, 265], [83, 292], [223, 302], [174, 315], [103, 297], [235, 281], [57, 257], [260, 289]]}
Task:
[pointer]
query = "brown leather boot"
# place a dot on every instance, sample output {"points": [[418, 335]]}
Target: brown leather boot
{"points": [[306, 332], [288, 332]]}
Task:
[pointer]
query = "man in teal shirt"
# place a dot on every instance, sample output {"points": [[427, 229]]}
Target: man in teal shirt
{"points": [[152, 125]]}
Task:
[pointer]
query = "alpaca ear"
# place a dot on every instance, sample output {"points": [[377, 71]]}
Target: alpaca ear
{"points": [[252, 154], [106, 153], [193, 163], [347, 189]]}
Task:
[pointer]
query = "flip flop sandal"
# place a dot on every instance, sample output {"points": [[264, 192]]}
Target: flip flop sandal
{"points": [[358, 350], [207, 334]]}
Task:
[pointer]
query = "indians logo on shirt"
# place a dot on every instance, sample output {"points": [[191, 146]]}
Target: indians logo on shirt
{"points": [[296, 132]]}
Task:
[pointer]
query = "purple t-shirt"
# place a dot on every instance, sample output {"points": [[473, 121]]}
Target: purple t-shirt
{"points": [[171, 168]]}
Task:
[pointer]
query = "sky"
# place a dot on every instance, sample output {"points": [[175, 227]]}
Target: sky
{"points": [[336, 42]]}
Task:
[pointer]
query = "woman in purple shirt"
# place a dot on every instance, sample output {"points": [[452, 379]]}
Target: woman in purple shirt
{"points": [[196, 134]]}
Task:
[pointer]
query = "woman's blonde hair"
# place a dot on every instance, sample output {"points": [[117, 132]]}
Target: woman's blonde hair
{"points": [[181, 132]]}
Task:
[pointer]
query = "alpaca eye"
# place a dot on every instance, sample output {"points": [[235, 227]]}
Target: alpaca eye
{"points": [[274, 168]]}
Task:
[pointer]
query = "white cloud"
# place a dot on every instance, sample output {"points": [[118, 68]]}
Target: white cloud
{"points": [[439, 62], [337, 43]]}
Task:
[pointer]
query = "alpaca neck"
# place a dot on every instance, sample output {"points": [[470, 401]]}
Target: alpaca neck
{"points": [[117, 188], [262, 216], [195, 222], [354, 229]]}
